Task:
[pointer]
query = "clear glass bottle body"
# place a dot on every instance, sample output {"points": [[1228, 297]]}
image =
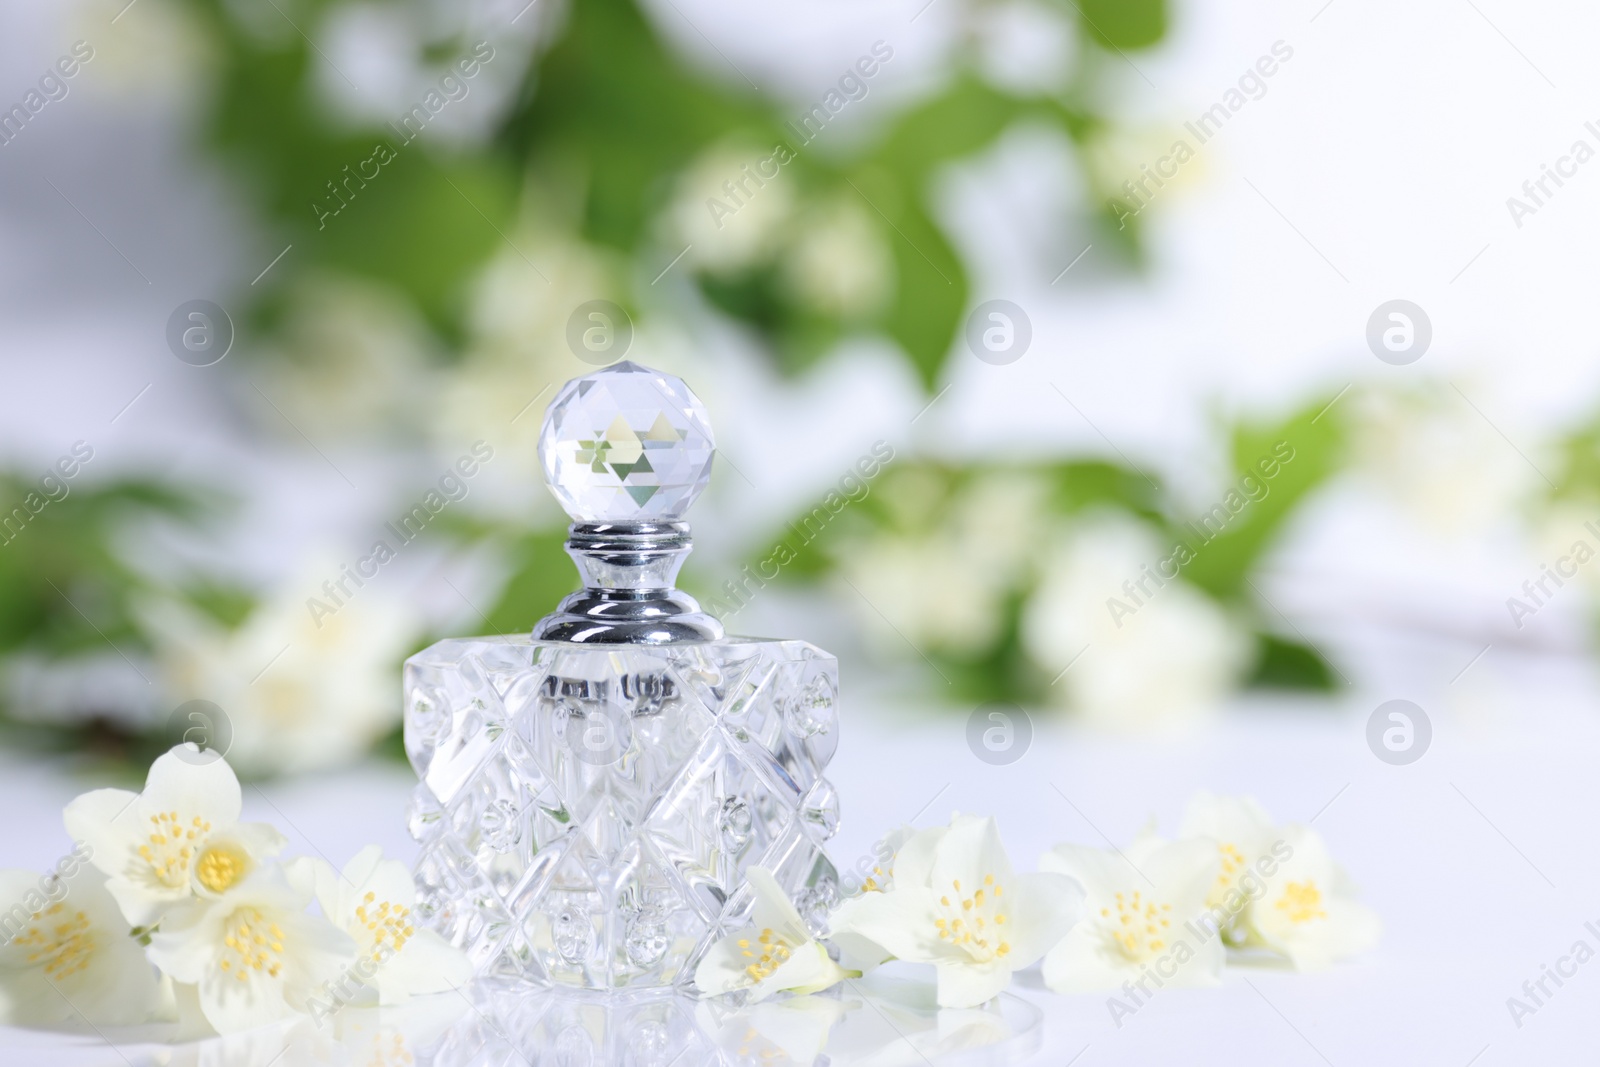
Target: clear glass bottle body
{"points": [[586, 813]]}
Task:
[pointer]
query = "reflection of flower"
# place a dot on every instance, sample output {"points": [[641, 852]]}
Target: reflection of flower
{"points": [[1140, 916], [776, 953], [793, 1030], [254, 954], [72, 957], [298, 693], [900, 1027], [956, 903], [1170, 658], [1307, 914], [181, 836], [372, 901]]}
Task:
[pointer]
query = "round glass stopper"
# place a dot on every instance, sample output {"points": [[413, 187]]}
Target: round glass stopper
{"points": [[626, 444]]}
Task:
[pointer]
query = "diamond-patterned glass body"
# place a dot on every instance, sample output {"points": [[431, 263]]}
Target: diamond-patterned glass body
{"points": [[587, 813], [626, 444]]}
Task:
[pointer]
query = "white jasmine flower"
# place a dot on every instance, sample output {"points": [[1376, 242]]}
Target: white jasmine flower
{"points": [[1244, 838], [254, 954], [373, 901], [956, 903], [1137, 661], [776, 953], [304, 685], [180, 837], [1306, 912], [856, 952], [67, 952], [1143, 917]]}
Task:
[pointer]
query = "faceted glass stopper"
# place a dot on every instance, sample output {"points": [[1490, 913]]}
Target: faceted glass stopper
{"points": [[626, 444]]}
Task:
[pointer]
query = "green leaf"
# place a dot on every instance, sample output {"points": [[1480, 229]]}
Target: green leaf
{"points": [[543, 575], [1275, 467], [1123, 23], [1284, 664]]}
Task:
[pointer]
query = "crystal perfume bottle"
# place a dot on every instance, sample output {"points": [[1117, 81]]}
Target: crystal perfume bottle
{"points": [[592, 794]]}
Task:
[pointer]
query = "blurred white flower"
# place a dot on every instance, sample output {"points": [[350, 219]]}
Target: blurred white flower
{"points": [[1023, 46], [254, 954], [298, 692], [945, 589], [956, 903], [776, 953], [925, 591], [728, 211], [1141, 917], [1168, 661], [1441, 462], [352, 360], [372, 900], [180, 837], [838, 262], [167, 56], [1307, 913], [71, 955], [517, 354]]}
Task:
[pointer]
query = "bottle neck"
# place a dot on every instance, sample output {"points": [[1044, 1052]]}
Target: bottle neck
{"points": [[630, 597]]}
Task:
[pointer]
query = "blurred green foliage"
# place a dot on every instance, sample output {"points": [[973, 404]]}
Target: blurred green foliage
{"points": [[604, 126], [606, 121], [1266, 487]]}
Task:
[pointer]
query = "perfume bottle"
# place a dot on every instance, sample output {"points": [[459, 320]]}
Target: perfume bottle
{"points": [[592, 794]]}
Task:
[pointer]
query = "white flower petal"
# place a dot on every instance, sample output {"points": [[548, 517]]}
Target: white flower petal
{"points": [[809, 970], [187, 941], [969, 852], [107, 821], [427, 964], [1101, 873], [722, 968], [966, 985], [191, 784], [773, 909], [1040, 909], [77, 959], [913, 860], [901, 921], [362, 866], [857, 953]]}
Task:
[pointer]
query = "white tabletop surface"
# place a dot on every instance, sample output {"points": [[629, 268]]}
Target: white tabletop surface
{"points": [[1481, 859]]}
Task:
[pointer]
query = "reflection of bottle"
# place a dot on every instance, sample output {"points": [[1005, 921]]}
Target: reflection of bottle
{"points": [[592, 795]]}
